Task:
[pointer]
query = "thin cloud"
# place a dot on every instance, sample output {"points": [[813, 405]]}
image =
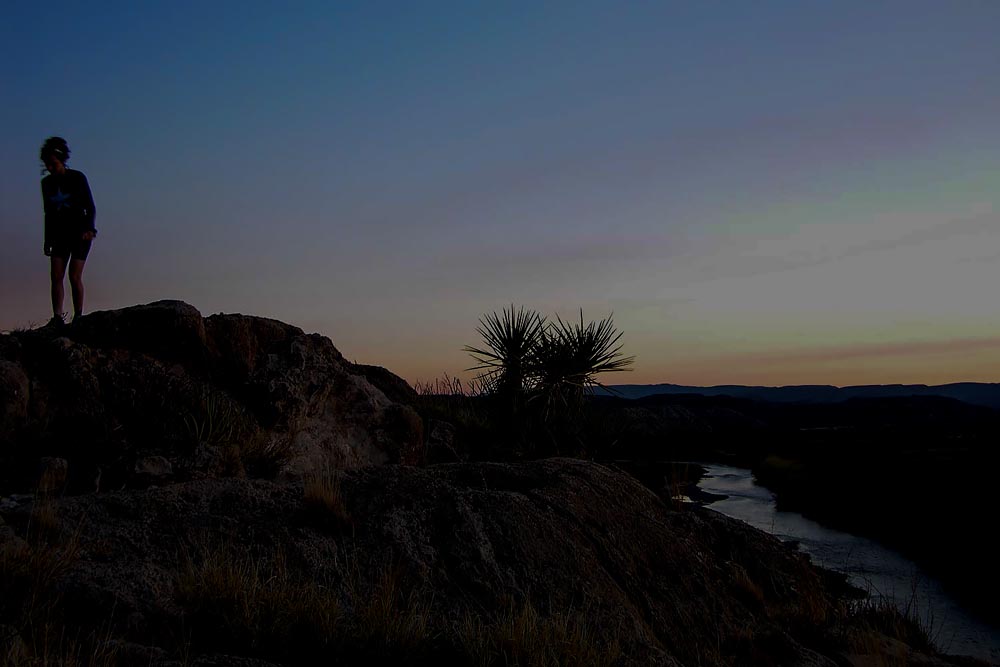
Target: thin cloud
{"points": [[883, 350], [741, 265]]}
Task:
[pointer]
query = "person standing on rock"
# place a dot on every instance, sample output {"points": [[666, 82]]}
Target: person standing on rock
{"points": [[69, 225]]}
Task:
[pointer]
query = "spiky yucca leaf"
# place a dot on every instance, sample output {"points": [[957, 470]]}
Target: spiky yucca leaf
{"points": [[575, 354], [506, 360]]}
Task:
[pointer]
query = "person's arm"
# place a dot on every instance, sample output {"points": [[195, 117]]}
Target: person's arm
{"points": [[88, 200], [46, 246]]}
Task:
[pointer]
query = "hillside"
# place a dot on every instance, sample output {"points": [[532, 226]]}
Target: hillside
{"points": [[182, 490], [975, 393]]}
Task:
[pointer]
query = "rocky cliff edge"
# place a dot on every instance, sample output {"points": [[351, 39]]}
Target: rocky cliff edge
{"points": [[180, 490]]}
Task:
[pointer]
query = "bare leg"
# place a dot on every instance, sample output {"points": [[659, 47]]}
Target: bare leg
{"points": [[57, 269], [76, 284]]}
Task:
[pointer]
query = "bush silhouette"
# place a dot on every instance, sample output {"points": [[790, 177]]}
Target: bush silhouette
{"points": [[537, 372]]}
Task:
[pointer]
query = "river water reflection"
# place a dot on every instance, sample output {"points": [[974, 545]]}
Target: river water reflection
{"points": [[868, 565]]}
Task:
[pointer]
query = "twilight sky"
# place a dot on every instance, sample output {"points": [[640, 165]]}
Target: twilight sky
{"points": [[761, 192]]}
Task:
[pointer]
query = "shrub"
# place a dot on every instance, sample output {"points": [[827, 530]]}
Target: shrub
{"points": [[253, 602], [321, 495], [537, 372], [520, 635], [874, 616], [388, 619], [507, 360], [28, 577], [255, 605], [33, 631], [262, 455], [524, 353]]}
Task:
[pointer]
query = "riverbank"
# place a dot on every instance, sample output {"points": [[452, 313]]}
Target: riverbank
{"points": [[915, 473], [881, 572], [936, 507]]}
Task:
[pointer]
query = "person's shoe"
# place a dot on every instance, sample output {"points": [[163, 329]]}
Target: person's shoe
{"points": [[57, 321]]}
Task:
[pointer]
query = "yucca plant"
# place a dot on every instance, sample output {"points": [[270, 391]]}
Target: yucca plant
{"points": [[506, 362], [526, 361], [570, 356]]}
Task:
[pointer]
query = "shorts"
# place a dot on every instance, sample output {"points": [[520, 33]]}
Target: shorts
{"points": [[71, 248]]}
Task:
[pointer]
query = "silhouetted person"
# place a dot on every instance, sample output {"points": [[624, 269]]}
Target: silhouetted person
{"points": [[69, 225]]}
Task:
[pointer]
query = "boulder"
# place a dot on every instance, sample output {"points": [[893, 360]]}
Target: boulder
{"points": [[394, 387], [567, 539], [119, 386], [14, 396], [154, 468], [238, 343], [441, 444], [171, 330]]}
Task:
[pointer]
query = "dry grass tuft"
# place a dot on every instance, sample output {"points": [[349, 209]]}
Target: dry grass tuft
{"points": [[241, 601], [455, 402], [51, 646], [43, 524], [520, 635], [216, 420], [32, 630], [263, 455], [53, 478], [28, 577], [255, 605], [814, 607], [388, 619], [747, 589], [873, 618], [449, 386], [321, 494]]}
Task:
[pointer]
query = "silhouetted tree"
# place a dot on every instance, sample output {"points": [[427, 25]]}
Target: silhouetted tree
{"points": [[538, 371], [507, 360]]}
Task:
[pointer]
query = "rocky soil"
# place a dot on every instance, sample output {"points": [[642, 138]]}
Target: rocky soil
{"points": [[201, 395], [180, 490]]}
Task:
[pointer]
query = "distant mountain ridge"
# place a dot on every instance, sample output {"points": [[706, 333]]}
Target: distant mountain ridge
{"points": [[976, 393]]}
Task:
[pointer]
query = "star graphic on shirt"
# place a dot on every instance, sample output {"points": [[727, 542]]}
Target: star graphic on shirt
{"points": [[60, 199]]}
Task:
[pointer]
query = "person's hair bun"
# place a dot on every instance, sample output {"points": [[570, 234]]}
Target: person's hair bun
{"points": [[56, 147]]}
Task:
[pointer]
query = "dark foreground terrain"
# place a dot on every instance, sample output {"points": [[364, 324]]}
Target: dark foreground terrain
{"points": [[179, 490], [916, 473]]}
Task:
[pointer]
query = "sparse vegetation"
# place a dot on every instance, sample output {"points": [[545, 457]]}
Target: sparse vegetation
{"points": [[262, 455], [28, 576], [389, 619], [218, 420], [52, 647], [322, 497], [535, 374], [519, 635], [526, 357], [254, 604], [569, 357], [32, 628], [874, 616], [507, 362], [390, 564], [222, 431]]}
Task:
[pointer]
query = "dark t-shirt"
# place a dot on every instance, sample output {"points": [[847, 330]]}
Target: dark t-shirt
{"points": [[69, 207]]}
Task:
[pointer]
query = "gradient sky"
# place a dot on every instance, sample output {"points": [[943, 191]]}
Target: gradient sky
{"points": [[761, 192]]}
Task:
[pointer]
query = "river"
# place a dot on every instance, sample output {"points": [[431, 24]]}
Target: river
{"points": [[870, 566]]}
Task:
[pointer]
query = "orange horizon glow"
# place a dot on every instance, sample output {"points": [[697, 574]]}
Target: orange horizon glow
{"points": [[909, 363]]}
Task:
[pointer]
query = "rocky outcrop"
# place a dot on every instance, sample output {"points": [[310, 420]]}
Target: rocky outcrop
{"points": [[230, 490], [160, 380], [561, 536]]}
